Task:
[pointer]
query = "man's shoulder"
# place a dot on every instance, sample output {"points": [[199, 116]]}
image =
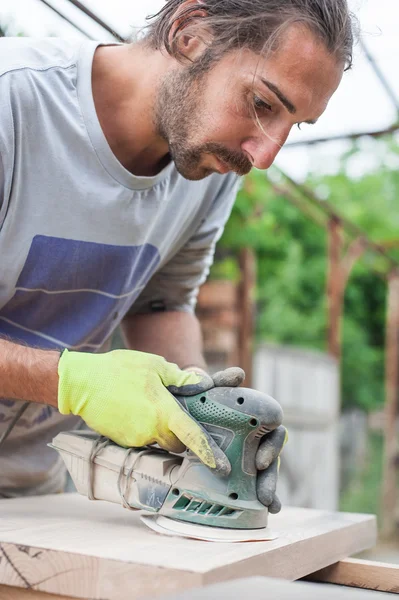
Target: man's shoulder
{"points": [[18, 53]]}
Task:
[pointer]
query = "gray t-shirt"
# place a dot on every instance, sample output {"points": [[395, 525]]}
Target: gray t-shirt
{"points": [[82, 240]]}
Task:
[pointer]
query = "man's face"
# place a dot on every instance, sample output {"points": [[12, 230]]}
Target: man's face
{"points": [[239, 113]]}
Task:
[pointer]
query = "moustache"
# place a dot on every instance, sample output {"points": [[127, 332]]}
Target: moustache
{"points": [[235, 161]]}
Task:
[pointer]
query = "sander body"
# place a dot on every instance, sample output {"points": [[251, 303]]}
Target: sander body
{"points": [[179, 486]]}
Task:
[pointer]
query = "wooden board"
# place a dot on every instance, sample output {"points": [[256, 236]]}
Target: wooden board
{"points": [[68, 545], [367, 574], [13, 593], [262, 588]]}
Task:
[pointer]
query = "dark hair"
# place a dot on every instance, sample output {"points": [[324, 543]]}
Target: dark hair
{"points": [[253, 24]]}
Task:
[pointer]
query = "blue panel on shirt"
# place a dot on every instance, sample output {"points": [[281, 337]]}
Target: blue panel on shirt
{"points": [[73, 293]]}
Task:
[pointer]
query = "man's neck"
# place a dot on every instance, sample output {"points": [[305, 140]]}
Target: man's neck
{"points": [[125, 85]]}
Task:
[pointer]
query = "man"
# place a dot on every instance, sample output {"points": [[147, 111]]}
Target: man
{"points": [[119, 167]]}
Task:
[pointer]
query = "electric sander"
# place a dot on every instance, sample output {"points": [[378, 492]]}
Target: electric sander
{"points": [[185, 497]]}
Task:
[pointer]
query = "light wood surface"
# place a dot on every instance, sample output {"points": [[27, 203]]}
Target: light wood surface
{"points": [[261, 588], [365, 574], [265, 588], [14, 593], [68, 545]]}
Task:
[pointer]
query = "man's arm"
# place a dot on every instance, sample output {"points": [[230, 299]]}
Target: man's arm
{"points": [[121, 395], [175, 332], [175, 335], [28, 373]]}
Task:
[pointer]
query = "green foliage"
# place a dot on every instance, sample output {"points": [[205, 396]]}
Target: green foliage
{"points": [[363, 495], [362, 365], [226, 268], [292, 264]]}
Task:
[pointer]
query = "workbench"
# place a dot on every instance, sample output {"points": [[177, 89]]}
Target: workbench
{"points": [[64, 546]]}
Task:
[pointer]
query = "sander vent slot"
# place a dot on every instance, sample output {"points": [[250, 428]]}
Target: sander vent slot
{"points": [[201, 507], [204, 508], [182, 503], [193, 506], [216, 509]]}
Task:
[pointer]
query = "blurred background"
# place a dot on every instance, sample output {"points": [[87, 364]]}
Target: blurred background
{"points": [[304, 292]]}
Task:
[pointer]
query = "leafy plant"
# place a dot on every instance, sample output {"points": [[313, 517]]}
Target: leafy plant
{"points": [[291, 256]]}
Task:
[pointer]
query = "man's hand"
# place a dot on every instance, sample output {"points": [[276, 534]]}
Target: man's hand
{"points": [[123, 395], [268, 464]]}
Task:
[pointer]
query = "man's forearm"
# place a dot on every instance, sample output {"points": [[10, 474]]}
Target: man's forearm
{"points": [[174, 335], [28, 373]]}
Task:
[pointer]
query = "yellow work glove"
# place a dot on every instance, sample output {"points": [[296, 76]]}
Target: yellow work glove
{"points": [[123, 395]]}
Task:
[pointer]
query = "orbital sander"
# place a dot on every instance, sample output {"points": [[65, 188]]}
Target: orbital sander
{"points": [[184, 496]]}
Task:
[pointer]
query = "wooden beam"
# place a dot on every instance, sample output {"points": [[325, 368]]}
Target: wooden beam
{"points": [[391, 412], [350, 228], [340, 265], [94, 17], [367, 574], [345, 136], [65, 18]]}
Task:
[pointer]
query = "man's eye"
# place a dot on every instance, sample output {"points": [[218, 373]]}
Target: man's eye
{"points": [[261, 104]]}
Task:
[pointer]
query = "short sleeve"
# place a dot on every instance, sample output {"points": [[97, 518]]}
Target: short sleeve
{"points": [[175, 286], [7, 145]]}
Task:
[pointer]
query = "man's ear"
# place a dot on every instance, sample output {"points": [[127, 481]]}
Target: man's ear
{"points": [[188, 35]]}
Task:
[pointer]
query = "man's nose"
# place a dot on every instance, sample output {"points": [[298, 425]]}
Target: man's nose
{"points": [[263, 151]]}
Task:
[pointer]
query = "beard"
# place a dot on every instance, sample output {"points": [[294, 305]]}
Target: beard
{"points": [[178, 118]]}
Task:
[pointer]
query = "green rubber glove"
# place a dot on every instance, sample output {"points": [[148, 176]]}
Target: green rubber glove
{"points": [[122, 395]]}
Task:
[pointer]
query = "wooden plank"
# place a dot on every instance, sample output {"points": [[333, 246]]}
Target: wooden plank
{"points": [[68, 545], [251, 587], [213, 294], [14, 593], [367, 574], [265, 588], [73, 575]]}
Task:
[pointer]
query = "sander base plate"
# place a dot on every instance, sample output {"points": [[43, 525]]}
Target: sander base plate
{"points": [[167, 526]]}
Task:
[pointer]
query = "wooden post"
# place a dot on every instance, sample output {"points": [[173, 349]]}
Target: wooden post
{"points": [[334, 287], [389, 484], [340, 265], [246, 292]]}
